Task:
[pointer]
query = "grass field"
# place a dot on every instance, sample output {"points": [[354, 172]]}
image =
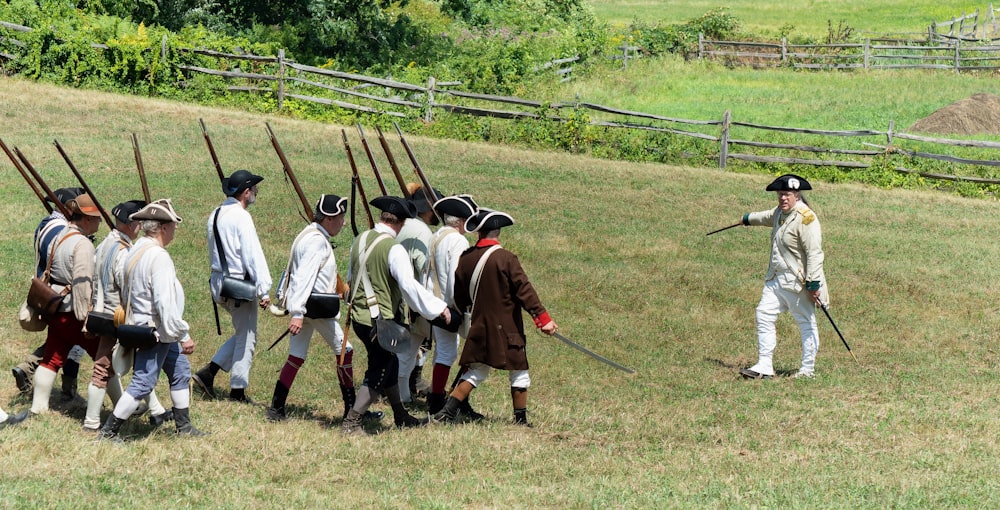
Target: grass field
{"points": [[619, 255], [806, 18]]}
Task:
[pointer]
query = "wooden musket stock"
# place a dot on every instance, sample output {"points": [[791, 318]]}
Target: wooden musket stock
{"points": [[392, 161], [24, 174], [211, 150], [429, 191], [41, 182], [371, 159], [357, 182], [308, 213], [140, 167]]}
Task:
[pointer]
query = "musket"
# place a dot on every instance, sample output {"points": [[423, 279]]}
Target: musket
{"points": [[591, 353], [356, 184], [41, 182], [429, 191], [211, 150], [142, 169], [83, 184], [283, 335], [27, 178], [371, 159], [290, 175], [835, 328], [724, 228], [392, 161]]}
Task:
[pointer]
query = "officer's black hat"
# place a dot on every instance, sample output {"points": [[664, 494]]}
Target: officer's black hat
{"points": [[789, 182], [239, 181], [420, 201], [486, 220], [459, 206], [396, 206], [331, 205], [122, 211]]}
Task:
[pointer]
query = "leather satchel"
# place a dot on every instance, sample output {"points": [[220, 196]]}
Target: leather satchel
{"points": [[391, 335], [101, 323], [132, 336], [44, 298], [240, 290], [322, 306], [30, 319]]}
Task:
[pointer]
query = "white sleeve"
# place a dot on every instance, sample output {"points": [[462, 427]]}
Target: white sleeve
{"points": [[308, 257], [416, 296], [168, 299]]}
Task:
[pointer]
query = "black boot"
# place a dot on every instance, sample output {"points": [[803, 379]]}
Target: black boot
{"points": [[352, 424], [159, 419], [418, 386], [435, 401], [69, 383], [521, 417], [449, 412], [22, 379], [468, 412], [109, 432], [240, 395], [401, 417], [182, 417], [349, 396], [277, 410], [205, 380]]}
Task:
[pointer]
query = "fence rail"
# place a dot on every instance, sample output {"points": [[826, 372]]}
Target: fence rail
{"points": [[289, 80]]}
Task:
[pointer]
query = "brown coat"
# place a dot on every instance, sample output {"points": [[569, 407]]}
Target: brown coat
{"points": [[496, 336]]}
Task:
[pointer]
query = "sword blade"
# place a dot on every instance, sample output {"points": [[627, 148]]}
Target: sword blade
{"points": [[283, 335], [591, 353]]}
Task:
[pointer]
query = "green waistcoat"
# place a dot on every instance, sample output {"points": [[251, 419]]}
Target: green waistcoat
{"points": [[383, 285]]}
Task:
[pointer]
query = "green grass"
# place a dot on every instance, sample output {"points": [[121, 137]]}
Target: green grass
{"points": [[618, 254], [806, 18]]}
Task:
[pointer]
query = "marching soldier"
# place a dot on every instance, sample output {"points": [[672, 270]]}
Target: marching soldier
{"points": [[496, 333], [382, 278], [71, 264], [309, 296], [795, 281], [415, 237], [108, 282], [48, 229], [447, 246], [154, 298], [234, 250]]}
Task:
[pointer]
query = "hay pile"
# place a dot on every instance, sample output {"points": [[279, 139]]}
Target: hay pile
{"points": [[979, 114]]}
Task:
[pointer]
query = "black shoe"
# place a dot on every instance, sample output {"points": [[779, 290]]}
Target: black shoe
{"points": [[22, 380], [159, 419], [468, 413], [753, 374], [205, 382], [239, 395], [14, 419], [370, 416], [275, 415], [408, 421]]}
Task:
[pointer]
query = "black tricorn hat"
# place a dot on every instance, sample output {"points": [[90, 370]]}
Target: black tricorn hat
{"points": [[66, 194], [460, 206], [331, 205], [122, 211], [486, 220], [239, 181], [396, 206], [419, 199], [789, 182]]}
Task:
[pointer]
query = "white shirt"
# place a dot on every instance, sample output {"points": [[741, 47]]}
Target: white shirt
{"points": [[244, 255], [448, 246], [418, 298], [312, 268], [154, 292], [109, 271]]}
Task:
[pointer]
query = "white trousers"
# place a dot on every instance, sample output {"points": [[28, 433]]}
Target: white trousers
{"points": [[329, 329], [773, 301], [479, 372], [236, 354], [445, 347]]}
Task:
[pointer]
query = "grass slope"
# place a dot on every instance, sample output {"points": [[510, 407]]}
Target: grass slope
{"points": [[618, 253]]}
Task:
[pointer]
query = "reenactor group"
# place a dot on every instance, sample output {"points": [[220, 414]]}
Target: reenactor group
{"points": [[409, 290]]}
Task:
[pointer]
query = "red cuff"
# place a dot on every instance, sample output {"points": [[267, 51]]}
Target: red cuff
{"points": [[542, 319]]}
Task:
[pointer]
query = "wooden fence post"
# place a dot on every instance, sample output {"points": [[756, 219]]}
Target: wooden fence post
{"points": [[625, 54], [868, 49], [784, 50], [430, 99], [163, 48], [958, 43], [888, 135], [281, 79], [701, 45], [724, 140]]}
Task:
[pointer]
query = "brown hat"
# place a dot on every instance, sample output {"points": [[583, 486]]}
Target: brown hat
{"points": [[84, 205], [160, 210]]}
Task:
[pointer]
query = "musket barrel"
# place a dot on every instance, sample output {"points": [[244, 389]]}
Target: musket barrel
{"points": [[140, 167], [41, 182], [357, 181], [24, 174], [419, 171], [211, 151], [289, 173], [86, 188], [392, 161], [371, 159]]}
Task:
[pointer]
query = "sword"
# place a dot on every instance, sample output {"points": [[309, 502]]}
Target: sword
{"points": [[835, 328], [591, 353]]}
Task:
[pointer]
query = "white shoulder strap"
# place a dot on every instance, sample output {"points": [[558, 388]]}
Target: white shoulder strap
{"points": [[371, 299], [477, 273]]}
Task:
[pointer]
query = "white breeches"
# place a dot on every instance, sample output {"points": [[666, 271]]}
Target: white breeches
{"points": [[773, 301], [445, 347], [329, 329], [236, 354], [478, 373]]}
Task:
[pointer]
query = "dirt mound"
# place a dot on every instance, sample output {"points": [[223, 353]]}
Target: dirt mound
{"points": [[979, 114]]}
